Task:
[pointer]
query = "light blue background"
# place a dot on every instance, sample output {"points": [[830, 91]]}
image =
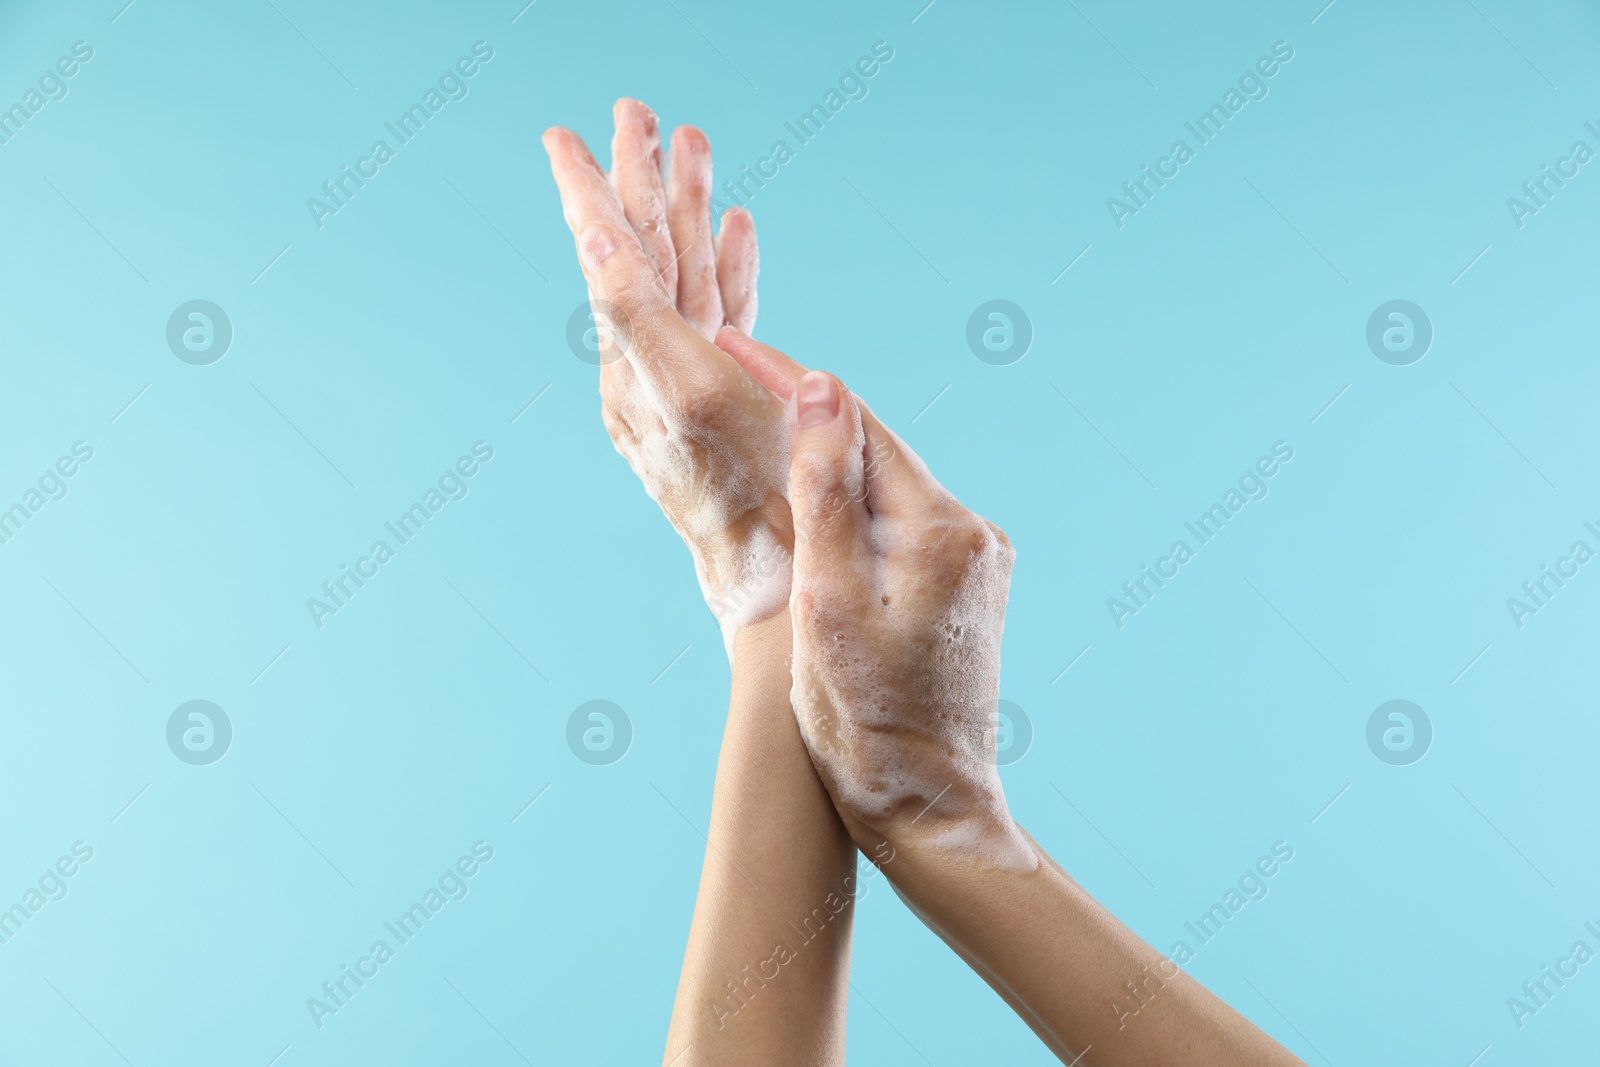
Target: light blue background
{"points": [[423, 317]]}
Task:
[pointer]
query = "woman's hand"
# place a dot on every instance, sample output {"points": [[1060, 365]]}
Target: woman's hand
{"points": [[898, 605], [899, 597], [898, 602], [709, 444]]}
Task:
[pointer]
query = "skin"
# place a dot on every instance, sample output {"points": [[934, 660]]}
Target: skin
{"points": [[889, 572], [776, 849], [887, 564], [705, 440]]}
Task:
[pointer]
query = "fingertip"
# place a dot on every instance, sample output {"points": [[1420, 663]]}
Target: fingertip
{"points": [[736, 220], [826, 479], [627, 110], [691, 140], [562, 143], [744, 349], [775, 371], [691, 163]]}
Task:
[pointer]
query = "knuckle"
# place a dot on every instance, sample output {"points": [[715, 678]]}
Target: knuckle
{"points": [[964, 542], [632, 296], [816, 477], [962, 535], [617, 425], [700, 404], [614, 387], [1003, 546], [692, 170], [977, 542]]}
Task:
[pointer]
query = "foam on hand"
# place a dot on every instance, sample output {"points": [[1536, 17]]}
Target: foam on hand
{"points": [[710, 465], [898, 711]]}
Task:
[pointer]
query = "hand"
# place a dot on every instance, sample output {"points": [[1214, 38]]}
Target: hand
{"points": [[709, 444], [897, 607]]}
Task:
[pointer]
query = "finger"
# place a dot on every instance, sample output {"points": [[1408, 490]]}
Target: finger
{"points": [[898, 483], [689, 214], [826, 492], [776, 372], [738, 263], [616, 375], [674, 362], [586, 195], [636, 176]]}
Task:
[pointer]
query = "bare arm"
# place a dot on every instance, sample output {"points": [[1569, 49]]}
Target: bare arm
{"points": [[1084, 982], [897, 607], [764, 972], [764, 975]]}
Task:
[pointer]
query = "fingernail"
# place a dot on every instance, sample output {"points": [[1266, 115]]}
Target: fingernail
{"points": [[596, 245], [816, 401]]}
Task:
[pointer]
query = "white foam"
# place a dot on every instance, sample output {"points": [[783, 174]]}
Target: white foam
{"points": [[897, 710], [710, 457]]}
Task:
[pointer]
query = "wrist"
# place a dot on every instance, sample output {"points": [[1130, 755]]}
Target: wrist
{"points": [[964, 830], [746, 583], [761, 648]]}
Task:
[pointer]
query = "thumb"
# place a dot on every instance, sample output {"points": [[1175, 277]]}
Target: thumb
{"points": [[827, 491]]}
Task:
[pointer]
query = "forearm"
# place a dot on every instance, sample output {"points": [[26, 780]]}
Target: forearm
{"points": [[764, 974], [1085, 983]]}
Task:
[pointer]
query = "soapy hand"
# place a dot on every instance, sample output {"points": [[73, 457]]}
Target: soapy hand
{"points": [[898, 591], [898, 602], [789, 493], [709, 444]]}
